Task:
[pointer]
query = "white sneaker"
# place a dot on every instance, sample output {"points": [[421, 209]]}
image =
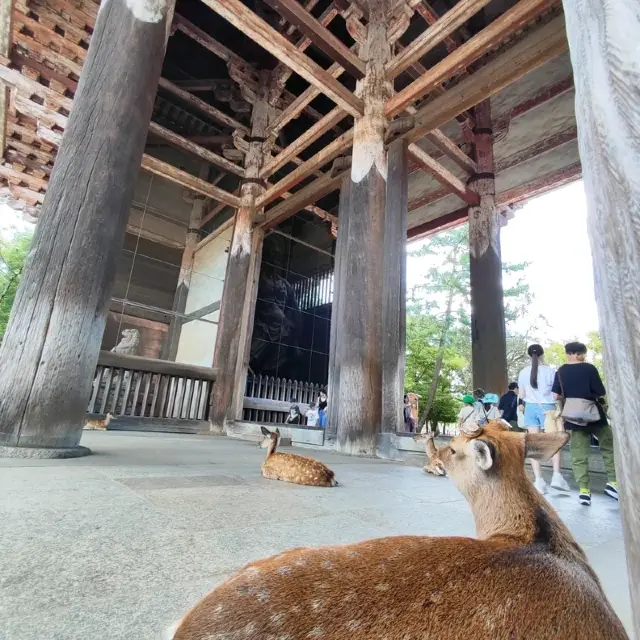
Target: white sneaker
{"points": [[541, 485], [558, 482]]}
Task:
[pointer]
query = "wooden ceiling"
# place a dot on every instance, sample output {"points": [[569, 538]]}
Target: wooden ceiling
{"points": [[448, 56]]}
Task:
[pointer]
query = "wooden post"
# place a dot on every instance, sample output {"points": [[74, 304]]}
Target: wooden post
{"points": [[488, 339], [237, 306], [394, 286], [603, 40], [186, 270], [50, 349], [359, 352], [6, 24], [339, 286]]}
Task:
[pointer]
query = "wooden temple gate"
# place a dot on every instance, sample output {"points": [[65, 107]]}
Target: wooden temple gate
{"points": [[384, 99]]}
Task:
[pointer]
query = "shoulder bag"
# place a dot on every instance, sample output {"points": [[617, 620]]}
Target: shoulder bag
{"points": [[578, 411]]}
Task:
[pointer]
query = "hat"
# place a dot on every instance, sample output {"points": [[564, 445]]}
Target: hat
{"points": [[490, 398], [468, 399]]}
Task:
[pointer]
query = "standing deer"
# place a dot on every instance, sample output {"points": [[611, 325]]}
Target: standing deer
{"points": [[524, 577], [291, 467]]}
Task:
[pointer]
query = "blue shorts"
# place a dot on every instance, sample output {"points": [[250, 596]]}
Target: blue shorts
{"points": [[534, 414]]}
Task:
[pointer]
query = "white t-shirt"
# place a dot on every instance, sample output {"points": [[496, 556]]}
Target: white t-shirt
{"points": [[541, 395], [467, 412]]}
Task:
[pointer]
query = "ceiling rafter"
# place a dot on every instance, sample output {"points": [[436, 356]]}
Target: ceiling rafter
{"points": [[235, 12], [491, 36]]}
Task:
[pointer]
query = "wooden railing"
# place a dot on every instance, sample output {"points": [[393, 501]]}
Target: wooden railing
{"points": [[268, 399], [146, 388], [315, 291]]}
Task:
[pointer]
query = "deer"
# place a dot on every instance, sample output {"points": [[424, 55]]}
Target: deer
{"points": [[434, 465], [100, 424], [523, 576], [291, 467]]}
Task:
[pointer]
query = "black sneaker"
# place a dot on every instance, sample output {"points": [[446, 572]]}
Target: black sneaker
{"points": [[612, 490], [585, 497]]}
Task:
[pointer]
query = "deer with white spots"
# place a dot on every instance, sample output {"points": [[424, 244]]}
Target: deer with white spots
{"points": [[291, 467], [523, 577]]}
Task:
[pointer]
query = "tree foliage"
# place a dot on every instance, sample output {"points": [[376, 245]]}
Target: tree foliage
{"points": [[438, 365], [13, 254]]}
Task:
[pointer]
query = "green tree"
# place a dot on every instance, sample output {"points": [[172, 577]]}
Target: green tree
{"points": [[13, 254]]}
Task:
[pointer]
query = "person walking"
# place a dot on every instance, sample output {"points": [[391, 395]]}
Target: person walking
{"points": [[468, 411], [508, 405], [534, 383], [581, 380]]}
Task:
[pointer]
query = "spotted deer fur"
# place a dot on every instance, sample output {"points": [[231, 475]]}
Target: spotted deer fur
{"points": [[99, 425], [291, 467], [524, 577]]}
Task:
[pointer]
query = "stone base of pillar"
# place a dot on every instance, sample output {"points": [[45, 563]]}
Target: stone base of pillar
{"points": [[42, 453], [387, 449]]}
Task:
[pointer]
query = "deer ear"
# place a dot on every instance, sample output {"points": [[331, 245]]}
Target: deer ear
{"points": [[265, 431], [542, 446], [483, 453]]}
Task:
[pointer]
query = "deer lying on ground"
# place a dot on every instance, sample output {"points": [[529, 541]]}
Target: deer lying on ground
{"points": [[434, 464], [291, 467], [99, 425], [525, 577]]}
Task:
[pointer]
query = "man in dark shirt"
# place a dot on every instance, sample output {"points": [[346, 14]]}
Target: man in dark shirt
{"points": [[508, 406], [580, 379]]}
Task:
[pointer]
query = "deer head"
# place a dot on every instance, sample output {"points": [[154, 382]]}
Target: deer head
{"points": [[434, 464], [270, 440], [481, 455]]}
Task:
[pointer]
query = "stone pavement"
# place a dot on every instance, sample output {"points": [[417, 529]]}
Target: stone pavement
{"points": [[116, 546]]}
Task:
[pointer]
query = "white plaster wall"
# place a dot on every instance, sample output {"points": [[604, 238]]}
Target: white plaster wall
{"points": [[198, 339]]}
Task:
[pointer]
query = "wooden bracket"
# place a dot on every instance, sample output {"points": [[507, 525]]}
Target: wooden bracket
{"points": [[398, 127], [339, 165]]}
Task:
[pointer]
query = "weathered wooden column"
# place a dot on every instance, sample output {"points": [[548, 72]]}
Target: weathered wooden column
{"points": [[50, 349], [359, 353], [603, 41], [488, 338], [237, 306], [339, 286], [394, 288], [186, 270]]}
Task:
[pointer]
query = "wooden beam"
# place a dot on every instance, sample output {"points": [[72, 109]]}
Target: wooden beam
{"points": [[210, 43], [173, 174], [325, 155], [192, 147], [443, 175], [431, 17], [450, 149], [137, 363], [448, 221], [536, 48], [275, 43], [302, 142], [540, 184], [489, 38], [302, 198], [319, 35], [203, 106], [434, 35]]}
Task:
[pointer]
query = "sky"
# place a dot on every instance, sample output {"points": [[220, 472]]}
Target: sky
{"points": [[550, 233]]}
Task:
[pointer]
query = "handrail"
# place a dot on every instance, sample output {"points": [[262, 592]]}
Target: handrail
{"points": [[149, 365]]}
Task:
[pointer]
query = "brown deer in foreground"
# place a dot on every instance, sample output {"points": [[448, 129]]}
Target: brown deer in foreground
{"points": [[291, 467], [525, 577]]}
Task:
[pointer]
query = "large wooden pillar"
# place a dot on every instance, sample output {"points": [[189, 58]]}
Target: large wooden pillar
{"points": [[237, 307], [488, 337], [50, 349], [186, 270], [339, 294], [359, 352], [603, 41], [394, 288]]}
